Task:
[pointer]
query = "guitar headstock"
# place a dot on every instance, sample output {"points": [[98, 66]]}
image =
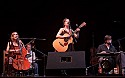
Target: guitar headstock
{"points": [[82, 25]]}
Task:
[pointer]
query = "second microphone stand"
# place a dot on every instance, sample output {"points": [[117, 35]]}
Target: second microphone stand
{"points": [[44, 55]]}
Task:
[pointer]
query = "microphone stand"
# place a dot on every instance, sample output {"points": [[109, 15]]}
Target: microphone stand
{"points": [[32, 64], [70, 28], [119, 47], [120, 50], [87, 68], [44, 59]]}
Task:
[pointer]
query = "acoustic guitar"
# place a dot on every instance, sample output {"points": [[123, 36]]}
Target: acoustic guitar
{"points": [[61, 45]]}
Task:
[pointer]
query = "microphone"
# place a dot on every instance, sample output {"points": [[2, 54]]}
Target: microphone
{"points": [[9, 40], [18, 40], [70, 26], [76, 25], [68, 23]]}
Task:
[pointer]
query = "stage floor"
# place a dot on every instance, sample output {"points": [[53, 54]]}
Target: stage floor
{"points": [[70, 77]]}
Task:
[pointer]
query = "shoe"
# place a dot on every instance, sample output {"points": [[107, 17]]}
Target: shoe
{"points": [[111, 72], [100, 70], [115, 70], [123, 71], [36, 75]]}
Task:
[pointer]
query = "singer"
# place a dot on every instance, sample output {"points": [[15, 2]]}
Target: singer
{"points": [[14, 42], [64, 39], [16, 53], [66, 33]]}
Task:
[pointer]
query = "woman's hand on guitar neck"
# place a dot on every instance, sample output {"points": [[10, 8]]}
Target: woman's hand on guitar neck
{"points": [[78, 29]]}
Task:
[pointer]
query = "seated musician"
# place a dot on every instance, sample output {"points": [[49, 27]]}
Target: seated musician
{"points": [[14, 49], [32, 59], [13, 46], [106, 47]]}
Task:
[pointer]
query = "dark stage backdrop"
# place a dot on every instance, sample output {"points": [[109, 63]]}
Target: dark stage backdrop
{"points": [[43, 18]]}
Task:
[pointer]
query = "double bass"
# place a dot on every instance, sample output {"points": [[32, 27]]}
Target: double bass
{"points": [[20, 62]]}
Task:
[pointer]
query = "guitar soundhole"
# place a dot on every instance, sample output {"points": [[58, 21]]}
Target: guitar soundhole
{"points": [[66, 39]]}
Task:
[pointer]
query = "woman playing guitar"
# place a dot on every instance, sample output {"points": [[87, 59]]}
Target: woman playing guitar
{"points": [[65, 35]]}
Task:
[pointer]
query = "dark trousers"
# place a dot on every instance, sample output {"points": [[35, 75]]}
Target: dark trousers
{"points": [[35, 68]]}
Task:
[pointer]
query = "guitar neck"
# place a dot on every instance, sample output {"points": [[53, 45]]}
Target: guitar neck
{"points": [[76, 30], [83, 24]]}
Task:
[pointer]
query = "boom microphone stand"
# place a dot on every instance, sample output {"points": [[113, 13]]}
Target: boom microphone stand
{"points": [[44, 58], [32, 56]]}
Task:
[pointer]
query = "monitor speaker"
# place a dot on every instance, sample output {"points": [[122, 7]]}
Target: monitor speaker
{"points": [[66, 60]]}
